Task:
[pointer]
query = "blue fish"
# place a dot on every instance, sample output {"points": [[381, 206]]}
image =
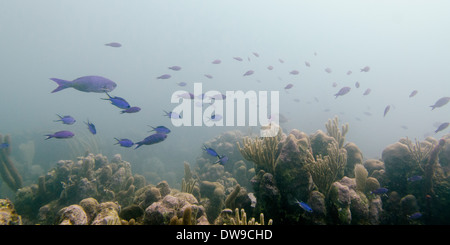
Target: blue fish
{"points": [[152, 139], [66, 120], [215, 117], [118, 101], [124, 142], [4, 145], [133, 109], [95, 84], [210, 151], [304, 206], [91, 127], [160, 129], [381, 190], [172, 115], [222, 159], [414, 216], [60, 135], [414, 178]]}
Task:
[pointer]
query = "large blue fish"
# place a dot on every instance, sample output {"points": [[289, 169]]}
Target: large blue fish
{"points": [[124, 142], [66, 120], [118, 101], [440, 102], [210, 151], [96, 84], [91, 127], [152, 139], [4, 145], [60, 135], [442, 127]]}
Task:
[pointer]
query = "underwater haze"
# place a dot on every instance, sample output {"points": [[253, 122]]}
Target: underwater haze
{"points": [[318, 47]]}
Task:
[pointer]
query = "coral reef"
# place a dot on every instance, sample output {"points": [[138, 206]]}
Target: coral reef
{"points": [[227, 217], [8, 171], [8, 215]]}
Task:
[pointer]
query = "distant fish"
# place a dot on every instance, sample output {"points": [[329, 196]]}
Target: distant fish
{"points": [[114, 45], [386, 110], [160, 129], [281, 61], [381, 190], [414, 178], [222, 159], [219, 96], [307, 64], [152, 139], [414, 216], [442, 127], [357, 84], [164, 76], [315, 53], [181, 84], [60, 135], [216, 62], [95, 84], [133, 109], [349, 72], [289, 86], [304, 206], [413, 93], [297, 100], [255, 54], [124, 142], [367, 91], [175, 68], [172, 115], [270, 68], [365, 69], [66, 120], [209, 76], [334, 85], [118, 102], [404, 127], [342, 91], [328, 70], [294, 72], [186, 96], [4, 145], [248, 73], [440, 102], [238, 58], [215, 117], [367, 113], [91, 127]]}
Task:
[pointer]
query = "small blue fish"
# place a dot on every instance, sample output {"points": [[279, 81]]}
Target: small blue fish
{"points": [[160, 129], [342, 91], [66, 120], [118, 101], [152, 139], [210, 151], [114, 45], [175, 68], [181, 84], [414, 216], [381, 190], [304, 206], [60, 135], [133, 109], [91, 127], [222, 159], [386, 110], [165, 76], [124, 142], [414, 178], [215, 117], [172, 115], [4, 145]]}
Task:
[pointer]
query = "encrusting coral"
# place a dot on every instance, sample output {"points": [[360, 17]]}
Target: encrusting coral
{"points": [[8, 171]]}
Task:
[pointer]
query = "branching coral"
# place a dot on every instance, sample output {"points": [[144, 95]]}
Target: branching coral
{"points": [[262, 151], [333, 130], [418, 152], [8, 171], [327, 169], [188, 182], [242, 220]]}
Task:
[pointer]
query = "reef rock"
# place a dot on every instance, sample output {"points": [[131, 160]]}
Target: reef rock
{"points": [[8, 215], [73, 215], [398, 163], [354, 156]]}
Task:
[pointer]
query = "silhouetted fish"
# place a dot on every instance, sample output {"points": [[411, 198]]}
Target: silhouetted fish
{"points": [[349, 72], [114, 45], [294, 72], [307, 64], [66, 120], [91, 127], [270, 68], [290, 85], [60, 135], [124, 142], [165, 76], [152, 139], [181, 84], [328, 70], [248, 73], [367, 91], [238, 58], [440, 102], [175, 68], [365, 69], [342, 91], [386, 110], [216, 62], [133, 109], [413, 93], [209, 76], [255, 54], [357, 84], [442, 127]]}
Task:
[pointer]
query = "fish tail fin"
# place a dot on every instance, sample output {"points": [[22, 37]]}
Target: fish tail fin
{"points": [[432, 107], [62, 84], [137, 145], [49, 136]]}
